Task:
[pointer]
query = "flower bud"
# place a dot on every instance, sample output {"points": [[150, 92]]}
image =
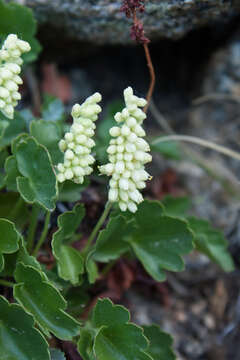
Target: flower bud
{"points": [[78, 143], [10, 59], [127, 155]]}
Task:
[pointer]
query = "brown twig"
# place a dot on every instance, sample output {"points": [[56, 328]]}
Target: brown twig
{"points": [[152, 76], [130, 7]]}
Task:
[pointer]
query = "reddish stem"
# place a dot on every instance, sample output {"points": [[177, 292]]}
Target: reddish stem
{"points": [[152, 76], [150, 66]]}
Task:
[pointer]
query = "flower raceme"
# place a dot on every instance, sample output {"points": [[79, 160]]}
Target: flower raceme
{"points": [[127, 153], [77, 143], [10, 62]]}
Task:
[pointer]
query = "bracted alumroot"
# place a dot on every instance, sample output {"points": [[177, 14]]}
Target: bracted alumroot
{"points": [[10, 68], [77, 143], [127, 153]]}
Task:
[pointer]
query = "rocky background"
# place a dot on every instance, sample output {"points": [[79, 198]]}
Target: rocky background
{"points": [[195, 47]]}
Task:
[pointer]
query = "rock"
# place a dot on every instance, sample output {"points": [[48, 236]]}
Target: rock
{"points": [[223, 75], [101, 22]]}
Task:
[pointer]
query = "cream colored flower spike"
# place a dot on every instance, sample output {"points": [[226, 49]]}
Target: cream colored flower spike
{"points": [[10, 61], [127, 153], [77, 143]]}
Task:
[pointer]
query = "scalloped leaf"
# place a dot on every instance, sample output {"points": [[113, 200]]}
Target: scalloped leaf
{"points": [[18, 338], [211, 242], [110, 336], [160, 343], [9, 238], [18, 19], [40, 298], [117, 338], [49, 135], [105, 313], [159, 241], [39, 182], [121, 342], [110, 244], [70, 262], [18, 140]]}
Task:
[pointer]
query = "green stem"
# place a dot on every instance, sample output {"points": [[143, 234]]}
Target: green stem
{"points": [[16, 208], [32, 227], [98, 226], [6, 283], [44, 233]]}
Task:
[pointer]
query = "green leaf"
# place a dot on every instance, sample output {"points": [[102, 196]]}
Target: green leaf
{"points": [[159, 241], [160, 343], [176, 206], [3, 157], [85, 344], [18, 338], [39, 182], [9, 265], [8, 201], [117, 338], [18, 140], [211, 242], [103, 128], [53, 277], [70, 262], [110, 243], [4, 121], [49, 135], [10, 260], [12, 173], [11, 167], [18, 19], [24, 257], [15, 127], [91, 267], [169, 149], [57, 354], [108, 121], [9, 238], [125, 342], [52, 108], [2, 177], [40, 298], [70, 192], [77, 299], [105, 313], [28, 116]]}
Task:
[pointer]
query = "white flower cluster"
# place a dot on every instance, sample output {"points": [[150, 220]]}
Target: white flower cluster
{"points": [[10, 61], [127, 153], [77, 143]]}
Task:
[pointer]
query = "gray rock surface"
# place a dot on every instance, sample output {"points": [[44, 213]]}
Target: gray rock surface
{"points": [[101, 22]]}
